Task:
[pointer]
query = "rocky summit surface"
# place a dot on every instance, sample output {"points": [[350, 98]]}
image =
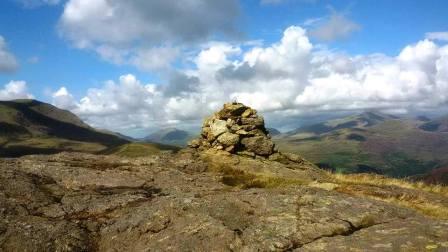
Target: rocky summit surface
{"points": [[186, 202], [208, 198]]}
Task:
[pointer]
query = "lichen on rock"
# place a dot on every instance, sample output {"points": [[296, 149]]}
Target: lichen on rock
{"points": [[236, 128]]}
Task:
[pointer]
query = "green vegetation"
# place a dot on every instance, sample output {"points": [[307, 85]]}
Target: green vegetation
{"points": [[401, 165], [56, 143], [7, 114], [170, 136], [340, 154], [133, 150], [45, 145], [369, 142], [58, 114], [33, 127]]}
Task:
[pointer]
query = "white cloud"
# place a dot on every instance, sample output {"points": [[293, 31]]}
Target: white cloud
{"points": [[412, 80], [442, 36], [337, 26], [154, 58], [125, 103], [8, 62], [63, 99], [312, 21], [146, 34], [282, 80], [15, 90]]}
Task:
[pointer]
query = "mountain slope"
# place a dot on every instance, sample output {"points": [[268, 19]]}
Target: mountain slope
{"points": [[170, 136], [370, 142], [273, 132], [364, 120], [437, 125], [30, 126]]}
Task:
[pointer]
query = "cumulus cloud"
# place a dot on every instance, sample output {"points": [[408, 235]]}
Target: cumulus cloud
{"points": [[336, 26], [442, 36], [15, 90], [8, 62], [154, 58], [63, 99], [285, 79], [137, 32], [414, 79]]}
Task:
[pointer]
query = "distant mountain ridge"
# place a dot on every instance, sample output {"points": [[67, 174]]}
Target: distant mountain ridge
{"points": [[170, 136], [363, 120], [273, 132], [437, 125], [30, 126], [372, 142]]}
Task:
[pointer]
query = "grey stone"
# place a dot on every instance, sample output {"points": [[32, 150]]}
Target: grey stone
{"points": [[259, 145], [228, 139], [258, 121], [218, 127]]}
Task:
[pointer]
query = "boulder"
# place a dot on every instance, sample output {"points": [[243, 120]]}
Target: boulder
{"points": [[232, 110], [229, 139], [257, 121], [259, 145], [248, 113], [218, 127]]}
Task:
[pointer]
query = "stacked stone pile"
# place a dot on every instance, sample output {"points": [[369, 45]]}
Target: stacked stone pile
{"points": [[236, 129]]}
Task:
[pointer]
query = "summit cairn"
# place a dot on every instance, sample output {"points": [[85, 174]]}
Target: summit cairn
{"points": [[237, 129]]}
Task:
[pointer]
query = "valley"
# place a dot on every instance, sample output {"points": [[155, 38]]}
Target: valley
{"points": [[370, 142]]}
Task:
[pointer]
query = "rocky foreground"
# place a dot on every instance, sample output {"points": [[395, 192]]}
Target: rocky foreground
{"points": [[179, 202], [200, 199]]}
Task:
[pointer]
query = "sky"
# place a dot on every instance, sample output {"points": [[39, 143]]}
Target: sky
{"points": [[138, 65]]}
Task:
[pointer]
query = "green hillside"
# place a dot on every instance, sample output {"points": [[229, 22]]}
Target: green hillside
{"points": [[32, 127], [133, 150], [170, 136], [370, 142], [437, 125]]}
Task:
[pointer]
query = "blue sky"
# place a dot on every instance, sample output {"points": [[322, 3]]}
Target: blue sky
{"points": [[48, 41]]}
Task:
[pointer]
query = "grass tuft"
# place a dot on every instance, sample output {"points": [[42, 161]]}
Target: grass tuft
{"points": [[134, 150], [410, 198], [246, 180], [378, 180]]}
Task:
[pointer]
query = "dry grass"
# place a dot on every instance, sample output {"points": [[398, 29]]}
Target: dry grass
{"points": [[134, 150], [423, 206], [420, 204], [247, 180], [378, 180], [414, 195]]}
